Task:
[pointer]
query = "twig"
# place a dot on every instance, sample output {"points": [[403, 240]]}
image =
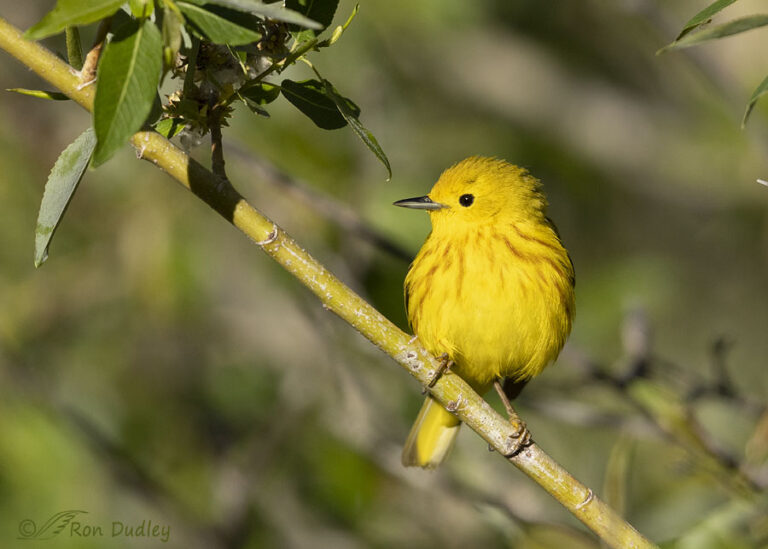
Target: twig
{"points": [[217, 148], [337, 297]]}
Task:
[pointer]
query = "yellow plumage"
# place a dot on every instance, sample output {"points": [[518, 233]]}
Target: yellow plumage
{"points": [[492, 287]]}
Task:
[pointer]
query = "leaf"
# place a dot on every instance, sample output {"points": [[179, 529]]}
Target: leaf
{"points": [[759, 90], [703, 16], [216, 28], [720, 31], [40, 94], [169, 127], [129, 72], [72, 12], [321, 11], [338, 31], [62, 182], [309, 96], [351, 116], [270, 11], [262, 93], [172, 23], [141, 8]]}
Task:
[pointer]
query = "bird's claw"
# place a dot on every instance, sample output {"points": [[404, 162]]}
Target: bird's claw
{"points": [[445, 366]]}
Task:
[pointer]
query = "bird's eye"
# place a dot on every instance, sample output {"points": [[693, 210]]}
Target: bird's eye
{"points": [[466, 200]]}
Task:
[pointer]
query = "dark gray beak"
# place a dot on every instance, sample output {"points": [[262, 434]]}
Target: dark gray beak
{"points": [[420, 203]]}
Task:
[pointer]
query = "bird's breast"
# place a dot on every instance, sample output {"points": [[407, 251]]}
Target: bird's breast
{"points": [[499, 301]]}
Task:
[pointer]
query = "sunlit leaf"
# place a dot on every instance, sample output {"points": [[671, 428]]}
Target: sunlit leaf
{"points": [[759, 90], [270, 11], [262, 93], [72, 12], [40, 94], [218, 29], [129, 72], [703, 16], [62, 183], [719, 31]]}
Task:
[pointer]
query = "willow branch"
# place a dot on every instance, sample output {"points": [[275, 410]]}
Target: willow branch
{"points": [[450, 390]]}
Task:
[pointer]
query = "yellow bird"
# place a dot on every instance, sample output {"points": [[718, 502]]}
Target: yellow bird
{"points": [[491, 289]]}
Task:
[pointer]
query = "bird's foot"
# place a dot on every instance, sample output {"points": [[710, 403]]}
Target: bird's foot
{"points": [[522, 436], [445, 366]]}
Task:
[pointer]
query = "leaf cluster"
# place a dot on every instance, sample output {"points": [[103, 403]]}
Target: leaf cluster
{"points": [[216, 52], [698, 30]]}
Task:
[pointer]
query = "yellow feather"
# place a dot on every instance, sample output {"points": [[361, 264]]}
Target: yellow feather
{"points": [[492, 287]]}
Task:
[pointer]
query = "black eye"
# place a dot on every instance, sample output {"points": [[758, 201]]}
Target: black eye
{"points": [[466, 200]]}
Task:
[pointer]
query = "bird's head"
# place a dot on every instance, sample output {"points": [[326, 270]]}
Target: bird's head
{"points": [[482, 190]]}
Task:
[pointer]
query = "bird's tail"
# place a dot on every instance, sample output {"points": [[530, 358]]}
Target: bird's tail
{"points": [[431, 436]]}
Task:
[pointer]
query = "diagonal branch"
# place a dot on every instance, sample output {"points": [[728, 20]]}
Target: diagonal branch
{"points": [[450, 390]]}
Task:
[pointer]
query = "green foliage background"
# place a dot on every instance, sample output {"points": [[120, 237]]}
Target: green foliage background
{"points": [[158, 367]]}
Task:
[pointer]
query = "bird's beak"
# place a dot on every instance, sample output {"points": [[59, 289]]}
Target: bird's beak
{"points": [[420, 203]]}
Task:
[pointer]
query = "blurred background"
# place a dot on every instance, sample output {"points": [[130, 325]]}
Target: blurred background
{"points": [[159, 367]]}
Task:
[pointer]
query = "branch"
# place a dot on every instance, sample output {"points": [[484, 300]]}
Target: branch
{"points": [[450, 390]]}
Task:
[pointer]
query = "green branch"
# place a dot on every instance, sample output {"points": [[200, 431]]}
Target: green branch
{"points": [[450, 390]]}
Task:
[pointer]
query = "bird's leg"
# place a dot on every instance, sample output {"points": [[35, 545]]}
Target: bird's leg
{"points": [[522, 436], [445, 365]]}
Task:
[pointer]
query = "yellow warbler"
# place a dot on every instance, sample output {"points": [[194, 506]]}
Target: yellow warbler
{"points": [[491, 288]]}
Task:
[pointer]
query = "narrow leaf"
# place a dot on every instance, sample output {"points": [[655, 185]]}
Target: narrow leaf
{"points": [[72, 12], [703, 16], [720, 31], [129, 73], [216, 28], [40, 94], [270, 11], [343, 104], [759, 90], [309, 96], [62, 183]]}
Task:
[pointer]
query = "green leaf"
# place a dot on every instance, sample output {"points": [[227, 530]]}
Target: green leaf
{"points": [[172, 23], [703, 16], [216, 28], [129, 72], [338, 31], [169, 127], [262, 93], [321, 11], [141, 8], [720, 31], [59, 189], [351, 116], [270, 11], [40, 94], [310, 97], [759, 90], [72, 12]]}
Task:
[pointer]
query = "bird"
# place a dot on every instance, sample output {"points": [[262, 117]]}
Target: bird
{"points": [[490, 292]]}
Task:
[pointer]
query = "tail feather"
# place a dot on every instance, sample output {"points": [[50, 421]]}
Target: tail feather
{"points": [[431, 436]]}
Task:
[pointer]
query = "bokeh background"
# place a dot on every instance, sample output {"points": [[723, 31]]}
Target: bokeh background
{"points": [[159, 367]]}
